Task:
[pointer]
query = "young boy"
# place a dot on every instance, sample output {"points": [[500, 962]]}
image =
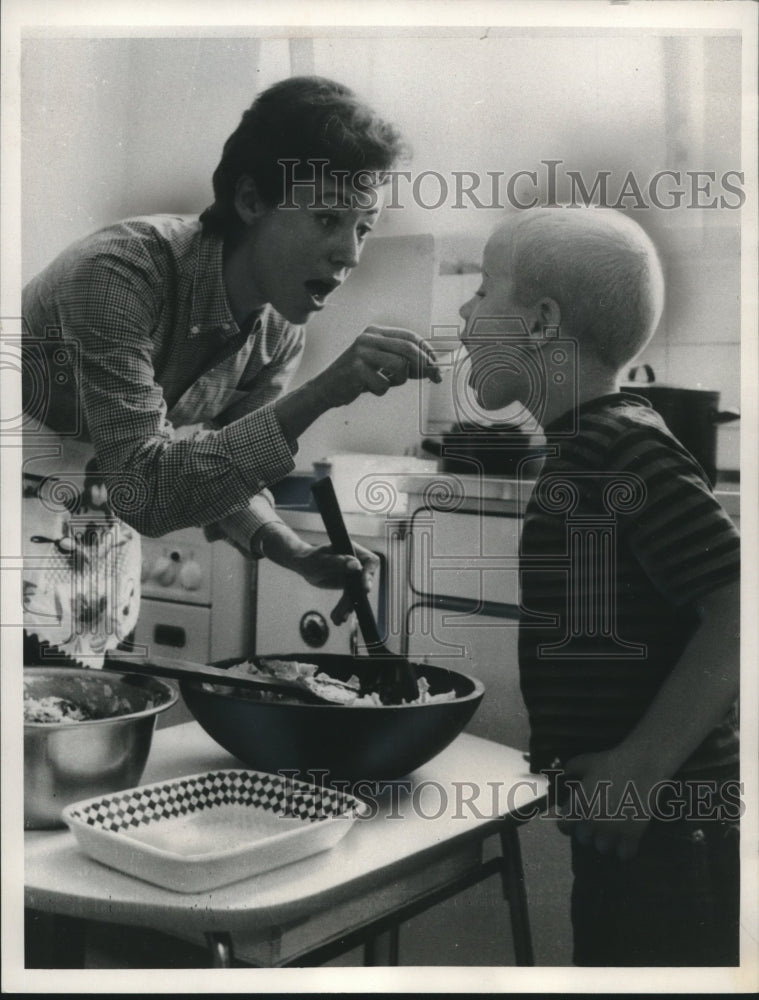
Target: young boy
{"points": [[629, 649], [163, 346]]}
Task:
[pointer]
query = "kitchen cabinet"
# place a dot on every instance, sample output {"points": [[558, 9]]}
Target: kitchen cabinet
{"points": [[463, 609], [485, 647]]}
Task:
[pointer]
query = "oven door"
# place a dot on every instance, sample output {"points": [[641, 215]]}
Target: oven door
{"points": [[165, 628]]}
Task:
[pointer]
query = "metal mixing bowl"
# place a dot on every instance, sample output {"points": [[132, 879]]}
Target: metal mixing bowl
{"points": [[348, 743], [68, 761]]}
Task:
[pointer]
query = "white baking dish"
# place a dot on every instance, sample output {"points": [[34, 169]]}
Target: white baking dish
{"points": [[199, 832]]}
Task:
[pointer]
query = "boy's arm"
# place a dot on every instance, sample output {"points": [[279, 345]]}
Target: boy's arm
{"points": [[694, 698]]}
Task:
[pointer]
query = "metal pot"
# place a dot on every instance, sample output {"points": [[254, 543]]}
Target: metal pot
{"points": [[692, 415], [68, 761], [493, 450], [349, 743]]}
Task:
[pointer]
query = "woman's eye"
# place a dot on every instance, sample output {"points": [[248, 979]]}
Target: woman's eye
{"points": [[363, 232]]}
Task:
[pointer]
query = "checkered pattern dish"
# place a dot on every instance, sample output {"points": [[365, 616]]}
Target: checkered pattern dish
{"points": [[151, 803], [207, 830]]}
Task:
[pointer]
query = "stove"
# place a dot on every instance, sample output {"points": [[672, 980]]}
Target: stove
{"points": [[206, 602], [197, 598], [294, 617]]}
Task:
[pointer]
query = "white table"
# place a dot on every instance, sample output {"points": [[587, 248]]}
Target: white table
{"points": [[424, 844]]}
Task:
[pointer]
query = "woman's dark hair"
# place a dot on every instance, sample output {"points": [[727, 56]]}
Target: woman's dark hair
{"points": [[303, 118]]}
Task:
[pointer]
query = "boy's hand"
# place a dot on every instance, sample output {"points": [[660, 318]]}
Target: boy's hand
{"points": [[609, 802], [379, 358]]}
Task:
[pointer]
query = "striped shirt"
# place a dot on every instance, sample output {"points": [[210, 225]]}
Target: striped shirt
{"points": [[143, 358], [622, 535]]}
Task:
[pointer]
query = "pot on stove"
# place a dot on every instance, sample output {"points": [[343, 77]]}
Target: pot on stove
{"points": [[693, 415], [492, 450]]}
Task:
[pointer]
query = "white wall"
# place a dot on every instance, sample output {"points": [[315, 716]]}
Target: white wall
{"points": [[74, 138], [491, 100], [699, 341], [113, 127], [393, 286]]}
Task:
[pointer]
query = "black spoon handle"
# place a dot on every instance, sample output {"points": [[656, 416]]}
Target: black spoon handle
{"points": [[160, 666], [324, 495]]}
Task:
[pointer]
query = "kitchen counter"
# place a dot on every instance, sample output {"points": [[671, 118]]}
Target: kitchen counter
{"points": [[452, 492], [441, 490], [494, 494], [360, 526]]}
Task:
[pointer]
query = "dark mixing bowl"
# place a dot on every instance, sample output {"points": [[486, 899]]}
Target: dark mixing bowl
{"points": [[349, 743]]}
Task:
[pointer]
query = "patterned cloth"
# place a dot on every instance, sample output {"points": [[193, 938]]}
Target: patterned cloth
{"points": [[622, 535], [81, 571]]}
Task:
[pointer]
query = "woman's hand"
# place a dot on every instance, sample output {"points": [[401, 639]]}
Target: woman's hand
{"points": [[322, 568], [318, 564], [379, 358]]}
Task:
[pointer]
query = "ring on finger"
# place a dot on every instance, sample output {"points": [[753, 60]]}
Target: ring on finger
{"points": [[385, 374]]}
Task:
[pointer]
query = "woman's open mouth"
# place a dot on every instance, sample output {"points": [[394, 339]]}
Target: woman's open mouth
{"points": [[319, 289]]}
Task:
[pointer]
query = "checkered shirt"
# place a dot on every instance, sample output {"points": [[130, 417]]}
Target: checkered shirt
{"points": [[158, 375]]}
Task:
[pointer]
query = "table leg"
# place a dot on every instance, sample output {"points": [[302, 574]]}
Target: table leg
{"points": [[52, 941], [383, 949], [394, 946], [220, 945], [512, 875]]}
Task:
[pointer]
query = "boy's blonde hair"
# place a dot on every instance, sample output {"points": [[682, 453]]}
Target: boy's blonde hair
{"points": [[600, 267]]}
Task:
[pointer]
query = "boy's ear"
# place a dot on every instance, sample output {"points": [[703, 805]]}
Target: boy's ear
{"points": [[248, 204], [547, 313]]}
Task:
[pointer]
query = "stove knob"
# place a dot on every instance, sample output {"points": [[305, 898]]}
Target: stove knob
{"points": [[165, 570], [314, 630], [191, 575]]}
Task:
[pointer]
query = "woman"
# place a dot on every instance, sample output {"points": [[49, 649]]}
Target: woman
{"points": [[159, 350]]}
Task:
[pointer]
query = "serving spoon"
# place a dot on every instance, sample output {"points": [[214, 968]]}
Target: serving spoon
{"points": [[186, 670], [393, 675]]}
